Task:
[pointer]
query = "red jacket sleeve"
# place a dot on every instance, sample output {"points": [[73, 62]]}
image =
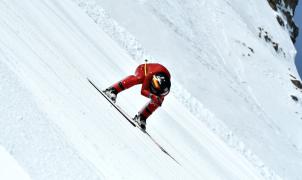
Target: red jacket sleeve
{"points": [[146, 87]]}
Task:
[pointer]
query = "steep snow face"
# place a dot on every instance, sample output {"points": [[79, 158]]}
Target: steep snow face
{"points": [[234, 63], [230, 114], [58, 127], [10, 169], [29, 135]]}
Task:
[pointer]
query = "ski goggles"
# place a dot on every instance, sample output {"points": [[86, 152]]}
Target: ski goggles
{"points": [[155, 82]]}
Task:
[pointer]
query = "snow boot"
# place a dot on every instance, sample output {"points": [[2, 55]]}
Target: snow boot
{"points": [[141, 121], [111, 92]]}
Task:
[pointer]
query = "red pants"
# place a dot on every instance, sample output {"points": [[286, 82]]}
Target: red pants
{"points": [[136, 79]]}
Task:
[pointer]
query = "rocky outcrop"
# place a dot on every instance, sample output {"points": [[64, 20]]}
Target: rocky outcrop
{"points": [[296, 82], [286, 9]]}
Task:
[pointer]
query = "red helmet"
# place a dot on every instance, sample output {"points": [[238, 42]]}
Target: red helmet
{"points": [[160, 84]]}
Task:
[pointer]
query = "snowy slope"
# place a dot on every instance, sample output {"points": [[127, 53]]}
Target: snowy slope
{"points": [[58, 127], [10, 168], [53, 58], [231, 79]]}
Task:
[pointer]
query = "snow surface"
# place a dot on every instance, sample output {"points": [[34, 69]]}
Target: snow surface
{"points": [[229, 115], [10, 168]]}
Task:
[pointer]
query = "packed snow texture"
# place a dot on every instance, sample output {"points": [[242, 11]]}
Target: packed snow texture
{"points": [[10, 168], [230, 114]]}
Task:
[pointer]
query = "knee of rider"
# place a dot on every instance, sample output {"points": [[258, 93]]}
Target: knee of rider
{"points": [[155, 104]]}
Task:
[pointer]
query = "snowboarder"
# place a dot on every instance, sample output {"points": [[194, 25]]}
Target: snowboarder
{"points": [[155, 80]]}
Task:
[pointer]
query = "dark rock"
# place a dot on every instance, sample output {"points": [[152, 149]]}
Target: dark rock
{"points": [[291, 24], [269, 39], [294, 98], [295, 33], [251, 49], [280, 21], [291, 3], [287, 8], [276, 46], [297, 83], [292, 76], [273, 4]]}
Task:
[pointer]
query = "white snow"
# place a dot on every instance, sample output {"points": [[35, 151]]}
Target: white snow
{"points": [[229, 115], [10, 168]]}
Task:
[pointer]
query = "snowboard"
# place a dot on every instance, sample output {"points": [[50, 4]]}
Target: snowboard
{"points": [[130, 120]]}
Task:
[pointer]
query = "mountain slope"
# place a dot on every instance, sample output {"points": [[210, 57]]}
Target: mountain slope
{"points": [[58, 127], [52, 47], [234, 63]]}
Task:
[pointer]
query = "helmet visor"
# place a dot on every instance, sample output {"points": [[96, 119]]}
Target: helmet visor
{"points": [[160, 85], [155, 82], [165, 92]]}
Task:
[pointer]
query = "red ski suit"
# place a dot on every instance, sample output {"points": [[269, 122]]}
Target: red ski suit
{"points": [[144, 76]]}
